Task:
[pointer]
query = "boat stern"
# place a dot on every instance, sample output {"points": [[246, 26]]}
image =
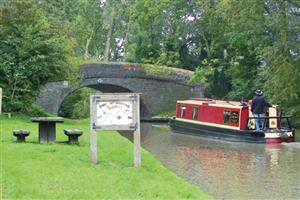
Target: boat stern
{"points": [[279, 135]]}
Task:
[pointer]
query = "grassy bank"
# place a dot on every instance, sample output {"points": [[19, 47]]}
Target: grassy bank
{"points": [[60, 171]]}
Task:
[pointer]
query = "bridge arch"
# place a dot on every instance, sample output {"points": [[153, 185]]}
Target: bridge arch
{"points": [[106, 88], [159, 90]]}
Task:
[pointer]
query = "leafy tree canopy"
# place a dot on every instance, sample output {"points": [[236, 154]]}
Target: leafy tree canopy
{"points": [[32, 51]]}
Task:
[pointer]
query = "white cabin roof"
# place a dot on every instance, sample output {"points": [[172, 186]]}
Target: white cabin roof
{"points": [[215, 103]]}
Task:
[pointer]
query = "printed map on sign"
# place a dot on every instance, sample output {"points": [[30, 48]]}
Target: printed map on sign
{"points": [[114, 113]]}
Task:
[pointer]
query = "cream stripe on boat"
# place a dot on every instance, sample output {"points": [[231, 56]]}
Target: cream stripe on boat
{"points": [[208, 124]]}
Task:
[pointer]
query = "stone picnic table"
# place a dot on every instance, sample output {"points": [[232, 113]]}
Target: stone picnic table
{"points": [[47, 128]]}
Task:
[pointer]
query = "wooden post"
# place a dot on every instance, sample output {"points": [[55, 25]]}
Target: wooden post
{"points": [[93, 136], [137, 134]]}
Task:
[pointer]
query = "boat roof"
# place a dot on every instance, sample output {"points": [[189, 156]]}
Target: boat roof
{"points": [[212, 102]]}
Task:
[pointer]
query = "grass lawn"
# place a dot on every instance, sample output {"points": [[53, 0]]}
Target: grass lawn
{"points": [[60, 171]]}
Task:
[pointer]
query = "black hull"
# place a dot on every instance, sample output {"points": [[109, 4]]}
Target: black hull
{"points": [[216, 132]]}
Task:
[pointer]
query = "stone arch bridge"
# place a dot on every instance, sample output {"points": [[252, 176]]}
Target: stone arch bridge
{"points": [[159, 87]]}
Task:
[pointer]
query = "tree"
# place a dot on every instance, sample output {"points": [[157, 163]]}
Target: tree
{"points": [[32, 52], [282, 72], [234, 34], [77, 104], [84, 21], [165, 32]]}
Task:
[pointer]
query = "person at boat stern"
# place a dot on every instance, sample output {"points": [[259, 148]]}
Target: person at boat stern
{"points": [[258, 106]]}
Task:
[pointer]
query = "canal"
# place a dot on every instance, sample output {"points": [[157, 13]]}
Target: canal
{"points": [[227, 170]]}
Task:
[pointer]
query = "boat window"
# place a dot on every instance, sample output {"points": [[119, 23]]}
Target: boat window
{"points": [[195, 112], [183, 111], [226, 117], [235, 117]]}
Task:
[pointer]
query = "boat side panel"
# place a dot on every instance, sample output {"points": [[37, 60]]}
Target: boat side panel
{"points": [[243, 118], [216, 132], [207, 113]]}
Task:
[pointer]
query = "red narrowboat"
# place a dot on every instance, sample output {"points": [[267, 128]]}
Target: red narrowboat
{"points": [[230, 120]]}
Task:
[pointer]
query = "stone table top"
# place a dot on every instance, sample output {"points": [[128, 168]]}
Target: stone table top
{"points": [[47, 119]]}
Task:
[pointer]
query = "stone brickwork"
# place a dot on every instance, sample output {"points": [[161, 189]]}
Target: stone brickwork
{"points": [[159, 90]]}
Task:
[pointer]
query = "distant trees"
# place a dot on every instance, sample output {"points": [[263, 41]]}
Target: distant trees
{"points": [[282, 72], [158, 32], [235, 35], [252, 44], [77, 104]]}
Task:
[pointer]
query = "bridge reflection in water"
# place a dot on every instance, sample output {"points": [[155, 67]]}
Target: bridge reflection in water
{"points": [[227, 170]]}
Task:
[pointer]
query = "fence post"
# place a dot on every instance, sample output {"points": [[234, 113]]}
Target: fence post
{"points": [[93, 134], [137, 134]]}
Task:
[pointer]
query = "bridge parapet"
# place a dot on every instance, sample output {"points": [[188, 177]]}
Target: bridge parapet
{"points": [[133, 70]]}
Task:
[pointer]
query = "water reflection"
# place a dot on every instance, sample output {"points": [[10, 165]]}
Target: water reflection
{"points": [[227, 170]]}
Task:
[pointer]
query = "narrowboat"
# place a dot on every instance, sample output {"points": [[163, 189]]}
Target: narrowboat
{"points": [[230, 120]]}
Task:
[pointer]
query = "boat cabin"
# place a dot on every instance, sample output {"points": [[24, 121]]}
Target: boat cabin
{"points": [[217, 113]]}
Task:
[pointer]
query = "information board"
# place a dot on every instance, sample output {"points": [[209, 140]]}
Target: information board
{"points": [[115, 111]]}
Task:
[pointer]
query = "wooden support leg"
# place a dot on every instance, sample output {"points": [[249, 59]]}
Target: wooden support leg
{"points": [[93, 141]]}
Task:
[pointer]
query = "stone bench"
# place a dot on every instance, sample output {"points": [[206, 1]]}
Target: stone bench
{"points": [[21, 134], [73, 134]]}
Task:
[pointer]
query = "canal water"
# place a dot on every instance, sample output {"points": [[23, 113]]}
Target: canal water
{"points": [[227, 170]]}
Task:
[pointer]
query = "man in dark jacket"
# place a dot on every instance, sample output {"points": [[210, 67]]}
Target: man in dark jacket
{"points": [[258, 105]]}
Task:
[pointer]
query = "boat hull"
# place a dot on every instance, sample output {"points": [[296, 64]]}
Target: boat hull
{"points": [[251, 136]]}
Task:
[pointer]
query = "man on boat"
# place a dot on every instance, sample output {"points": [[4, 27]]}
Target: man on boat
{"points": [[258, 105]]}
